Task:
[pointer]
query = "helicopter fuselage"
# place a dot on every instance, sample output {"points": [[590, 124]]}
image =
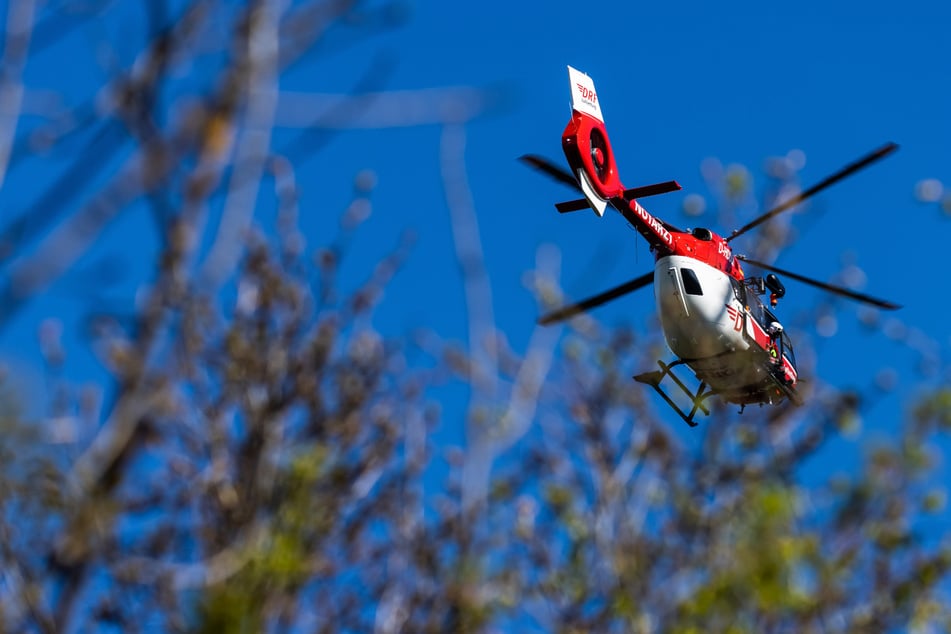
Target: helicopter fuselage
{"points": [[709, 319], [710, 312], [717, 326]]}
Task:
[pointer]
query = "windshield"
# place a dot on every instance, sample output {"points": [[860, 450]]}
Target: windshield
{"points": [[788, 349], [768, 318], [758, 310]]}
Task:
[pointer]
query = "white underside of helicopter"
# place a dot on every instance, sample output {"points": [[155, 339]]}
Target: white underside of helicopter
{"points": [[709, 328]]}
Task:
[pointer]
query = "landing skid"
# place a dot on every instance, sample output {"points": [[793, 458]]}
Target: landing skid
{"points": [[654, 380]]}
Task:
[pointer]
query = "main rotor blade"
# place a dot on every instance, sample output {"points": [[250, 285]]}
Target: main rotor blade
{"points": [[848, 170], [837, 290], [602, 298], [547, 167]]}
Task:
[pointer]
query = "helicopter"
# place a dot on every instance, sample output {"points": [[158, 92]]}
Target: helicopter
{"points": [[712, 315]]}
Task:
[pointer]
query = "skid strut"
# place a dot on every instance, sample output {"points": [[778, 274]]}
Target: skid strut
{"points": [[655, 378]]}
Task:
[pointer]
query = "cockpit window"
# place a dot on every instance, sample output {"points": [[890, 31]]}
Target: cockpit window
{"points": [[788, 350], [739, 291], [691, 283]]}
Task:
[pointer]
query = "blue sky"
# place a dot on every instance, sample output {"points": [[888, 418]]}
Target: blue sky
{"points": [[679, 83]]}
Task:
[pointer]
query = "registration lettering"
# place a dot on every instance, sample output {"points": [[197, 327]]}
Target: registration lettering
{"points": [[654, 224]]}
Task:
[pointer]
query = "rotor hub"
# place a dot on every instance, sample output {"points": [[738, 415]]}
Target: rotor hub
{"points": [[598, 155]]}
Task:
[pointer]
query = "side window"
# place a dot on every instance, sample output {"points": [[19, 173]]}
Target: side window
{"points": [[691, 283], [739, 291]]}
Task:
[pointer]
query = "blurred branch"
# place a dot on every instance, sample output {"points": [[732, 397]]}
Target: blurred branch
{"points": [[253, 139], [68, 241], [389, 109], [19, 28]]}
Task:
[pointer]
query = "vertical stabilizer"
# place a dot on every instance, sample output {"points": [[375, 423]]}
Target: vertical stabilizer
{"points": [[583, 96]]}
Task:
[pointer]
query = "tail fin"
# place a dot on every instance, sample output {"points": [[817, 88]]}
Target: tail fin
{"points": [[586, 145], [583, 96]]}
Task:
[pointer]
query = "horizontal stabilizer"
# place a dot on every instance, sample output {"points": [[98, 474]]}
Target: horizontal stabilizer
{"points": [[652, 190], [572, 205], [629, 194]]}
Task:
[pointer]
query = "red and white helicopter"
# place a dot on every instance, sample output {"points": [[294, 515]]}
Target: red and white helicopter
{"points": [[710, 312]]}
